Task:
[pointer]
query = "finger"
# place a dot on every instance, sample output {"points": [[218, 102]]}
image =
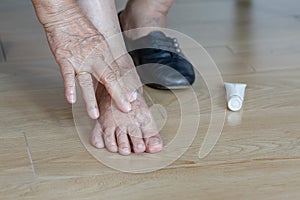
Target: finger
{"points": [[109, 75], [109, 78], [86, 84], [69, 82], [110, 140], [133, 95], [136, 138], [131, 86], [96, 136], [68, 74], [129, 77], [123, 142], [117, 94]]}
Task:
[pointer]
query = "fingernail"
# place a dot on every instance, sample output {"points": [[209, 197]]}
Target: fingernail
{"points": [[133, 96], [127, 107], [95, 113], [72, 98]]}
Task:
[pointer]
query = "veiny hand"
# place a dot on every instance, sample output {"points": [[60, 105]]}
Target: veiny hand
{"points": [[81, 50]]}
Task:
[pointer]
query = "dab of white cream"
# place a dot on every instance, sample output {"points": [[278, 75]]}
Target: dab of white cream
{"points": [[235, 95]]}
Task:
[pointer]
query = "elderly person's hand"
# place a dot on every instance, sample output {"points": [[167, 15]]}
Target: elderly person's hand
{"points": [[82, 52]]}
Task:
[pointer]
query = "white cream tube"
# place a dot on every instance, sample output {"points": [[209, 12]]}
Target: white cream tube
{"points": [[235, 95]]}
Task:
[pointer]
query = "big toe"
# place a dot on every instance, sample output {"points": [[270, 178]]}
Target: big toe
{"points": [[154, 144]]}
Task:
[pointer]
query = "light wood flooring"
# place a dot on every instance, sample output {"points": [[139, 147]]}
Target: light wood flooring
{"points": [[256, 157]]}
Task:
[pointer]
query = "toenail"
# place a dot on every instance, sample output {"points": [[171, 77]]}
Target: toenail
{"points": [[126, 150], [155, 141], [114, 148], [140, 146], [97, 144]]}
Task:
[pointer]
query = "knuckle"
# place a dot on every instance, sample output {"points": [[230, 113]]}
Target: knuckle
{"points": [[62, 53], [69, 82], [68, 72], [115, 67], [86, 83], [69, 85], [126, 62], [109, 77]]}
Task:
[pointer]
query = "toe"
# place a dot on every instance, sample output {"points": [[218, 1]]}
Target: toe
{"points": [[96, 137], [136, 137], [154, 144], [123, 142], [152, 138], [110, 139]]}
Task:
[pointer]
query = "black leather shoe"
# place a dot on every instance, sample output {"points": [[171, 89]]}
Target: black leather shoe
{"points": [[160, 62]]}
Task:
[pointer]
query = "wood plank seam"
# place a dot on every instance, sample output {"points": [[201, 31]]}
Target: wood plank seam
{"points": [[2, 52], [30, 156], [233, 53]]}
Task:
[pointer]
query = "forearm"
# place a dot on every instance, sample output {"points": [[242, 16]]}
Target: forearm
{"points": [[102, 14], [56, 12], [64, 19]]}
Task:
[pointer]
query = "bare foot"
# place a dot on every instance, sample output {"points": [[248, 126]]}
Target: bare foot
{"points": [[122, 132], [117, 131]]}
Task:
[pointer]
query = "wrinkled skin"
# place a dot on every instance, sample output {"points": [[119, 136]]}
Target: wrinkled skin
{"points": [[125, 124], [122, 132], [78, 47], [119, 129]]}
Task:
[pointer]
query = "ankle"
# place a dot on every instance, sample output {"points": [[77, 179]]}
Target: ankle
{"points": [[150, 7], [159, 7], [146, 13]]}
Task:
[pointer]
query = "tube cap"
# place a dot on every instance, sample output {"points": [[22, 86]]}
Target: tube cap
{"points": [[235, 103]]}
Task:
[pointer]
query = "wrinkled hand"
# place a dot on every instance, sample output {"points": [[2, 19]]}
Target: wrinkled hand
{"points": [[78, 47], [81, 50]]}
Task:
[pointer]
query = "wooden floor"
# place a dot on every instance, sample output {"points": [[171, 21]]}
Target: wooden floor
{"points": [[256, 157]]}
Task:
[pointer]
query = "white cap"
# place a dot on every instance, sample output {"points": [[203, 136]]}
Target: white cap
{"points": [[235, 103]]}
